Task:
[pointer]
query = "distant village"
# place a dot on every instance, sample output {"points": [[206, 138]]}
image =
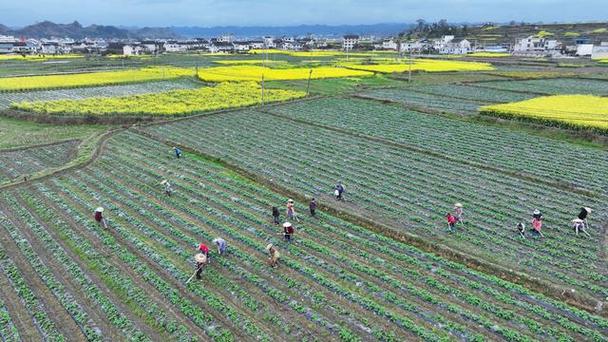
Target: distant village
{"points": [[531, 46]]}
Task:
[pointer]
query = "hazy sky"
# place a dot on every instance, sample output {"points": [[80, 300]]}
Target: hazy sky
{"points": [[293, 12]]}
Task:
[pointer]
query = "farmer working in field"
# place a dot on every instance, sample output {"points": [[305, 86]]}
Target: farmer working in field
{"points": [[521, 228], [178, 152], [312, 206], [273, 255], [200, 260], [458, 213], [291, 210], [276, 215], [579, 226], [221, 245], [99, 217], [537, 223], [168, 188], [288, 231], [585, 211], [339, 191], [204, 250], [451, 221]]}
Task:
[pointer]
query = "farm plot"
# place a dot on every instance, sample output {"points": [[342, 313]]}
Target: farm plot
{"points": [[8, 98], [460, 141], [466, 92], [92, 79], [425, 102], [24, 162], [411, 192], [336, 280], [551, 86], [175, 102]]}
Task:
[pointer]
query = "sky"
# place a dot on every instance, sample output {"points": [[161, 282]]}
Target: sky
{"points": [[294, 12]]}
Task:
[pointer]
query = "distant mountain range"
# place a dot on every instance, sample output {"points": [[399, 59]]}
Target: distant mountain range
{"points": [[75, 30]]}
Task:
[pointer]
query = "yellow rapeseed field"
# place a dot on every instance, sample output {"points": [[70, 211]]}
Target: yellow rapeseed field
{"points": [[38, 57], [428, 65], [176, 102], [254, 73], [250, 62], [92, 79], [566, 110]]}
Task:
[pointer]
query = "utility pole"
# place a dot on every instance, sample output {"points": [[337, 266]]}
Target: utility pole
{"points": [[262, 91], [409, 73], [308, 85]]}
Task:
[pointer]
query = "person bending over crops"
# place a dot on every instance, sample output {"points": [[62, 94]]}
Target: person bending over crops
{"points": [[521, 228], [276, 215], [178, 152], [273, 255], [579, 226], [221, 244], [288, 231], [458, 213], [585, 211], [537, 223], [312, 206], [451, 221], [99, 217], [200, 261], [204, 250], [168, 188], [339, 191]]}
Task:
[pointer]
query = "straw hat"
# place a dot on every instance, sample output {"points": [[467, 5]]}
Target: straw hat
{"points": [[290, 200], [200, 257], [215, 240], [163, 182], [536, 212], [99, 210], [268, 247], [587, 209], [458, 205], [286, 225]]}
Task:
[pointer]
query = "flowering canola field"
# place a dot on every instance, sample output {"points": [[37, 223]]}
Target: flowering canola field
{"points": [[428, 65], [176, 102], [254, 73], [568, 110], [92, 79]]}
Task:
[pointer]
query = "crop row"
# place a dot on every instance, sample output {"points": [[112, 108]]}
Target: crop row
{"points": [[8, 98], [247, 203], [392, 193], [460, 140], [467, 92], [24, 162]]}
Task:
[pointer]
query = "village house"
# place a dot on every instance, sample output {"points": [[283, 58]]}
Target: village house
{"points": [[389, 44], [349, 41], [600, 51], [456, 47]]}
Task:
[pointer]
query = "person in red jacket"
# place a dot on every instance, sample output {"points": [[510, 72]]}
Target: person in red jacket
{"points": [[204, 250], [451, 221], [99, 217]]}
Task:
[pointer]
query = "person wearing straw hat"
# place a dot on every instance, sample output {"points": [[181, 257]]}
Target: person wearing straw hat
{"points": [[291, 210], [178, 152], [99, 217], [458, 213], [276, 215], [579, 226], [200, 260], [273, 255], [537, 223], [204, 250], [288, 231], [585, 211], [221, 244], [168, 188]]}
